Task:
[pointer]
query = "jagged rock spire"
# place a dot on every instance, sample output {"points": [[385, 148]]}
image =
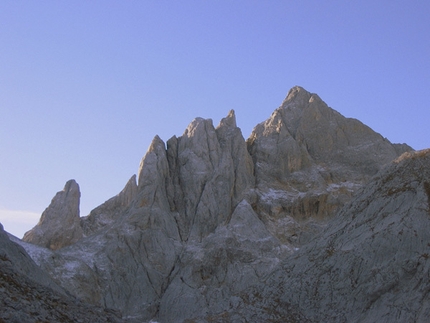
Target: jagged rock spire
{"points": [[59, 225], [212, 217]]}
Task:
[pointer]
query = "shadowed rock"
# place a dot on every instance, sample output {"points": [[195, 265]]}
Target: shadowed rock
{"points": [[372, 262], [28, 294]]}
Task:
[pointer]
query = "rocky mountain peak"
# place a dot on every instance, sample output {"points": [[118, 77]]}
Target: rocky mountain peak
{"points": [[214, 220], [111, 210], [309, 160], [210, 170], [155, 153], [297, 96], [59, 225], [229, 121]]}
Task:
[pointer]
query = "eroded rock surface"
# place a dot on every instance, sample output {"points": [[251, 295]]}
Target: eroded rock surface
{"points": [[59, 225], [309, 160], [28, 294], [231, 259], [211, 230], [372, 262], [110, 210], [210, 173]]}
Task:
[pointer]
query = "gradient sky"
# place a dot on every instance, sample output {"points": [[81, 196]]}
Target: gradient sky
{"points": [[86, 85]]}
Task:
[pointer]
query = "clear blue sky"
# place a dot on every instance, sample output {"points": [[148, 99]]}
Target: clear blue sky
{"points": [[86, 85]]}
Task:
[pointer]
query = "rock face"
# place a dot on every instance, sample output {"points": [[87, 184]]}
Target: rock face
{"points": [[211, 230], [59, 225], [185, 192], [110, 210], [28, 294], [309, 160], [210, 274], [372, 262], [210, 171]]}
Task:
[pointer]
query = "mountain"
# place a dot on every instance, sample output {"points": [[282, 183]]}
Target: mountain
{"points": [[309, 160], [274, 228], [370, 264], [28, 294], [59, 225]]}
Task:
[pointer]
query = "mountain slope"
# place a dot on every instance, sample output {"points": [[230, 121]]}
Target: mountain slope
{"points": [[309, 160], [212, 216], [372, 262], [27, 294]]}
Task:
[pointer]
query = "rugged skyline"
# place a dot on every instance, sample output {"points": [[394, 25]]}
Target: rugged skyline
{"points": [[86, 86], [315, 217]]}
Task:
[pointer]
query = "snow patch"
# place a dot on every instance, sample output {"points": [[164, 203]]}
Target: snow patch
{"points": [[350, 186], [35, 252], [273, 194]]}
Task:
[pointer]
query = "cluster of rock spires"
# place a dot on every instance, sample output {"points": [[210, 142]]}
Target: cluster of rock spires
{"points": [[314, 218]]}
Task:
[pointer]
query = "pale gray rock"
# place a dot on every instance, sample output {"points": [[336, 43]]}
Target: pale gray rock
{"points": [[210, 173], [213, 223], [13, 255], [28, 294], [126, 266], [305, 131], [131, 262], [372, 262], [59, 225], [153, 175], [309, 160], [227, 262], [111, 210]]}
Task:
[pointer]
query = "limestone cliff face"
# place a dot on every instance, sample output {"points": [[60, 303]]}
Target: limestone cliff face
{"points": [[201, 176], [110, 210], [211, 230], [210, 173], [59, 225], [372, 262], [185, 192], [309, 160], [211, 273]]}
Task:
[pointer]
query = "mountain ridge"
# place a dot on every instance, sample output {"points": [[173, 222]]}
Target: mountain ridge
{"points": [[212, 216]]}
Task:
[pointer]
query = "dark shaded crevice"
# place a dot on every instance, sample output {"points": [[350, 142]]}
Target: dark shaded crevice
{"points": [[427, 189]]}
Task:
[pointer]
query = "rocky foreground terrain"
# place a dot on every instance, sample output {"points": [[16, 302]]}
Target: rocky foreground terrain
{"points": [[314, 218]]}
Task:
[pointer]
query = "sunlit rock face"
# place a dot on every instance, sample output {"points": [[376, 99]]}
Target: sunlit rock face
{"points": [[209, 225], [309, 160], [59, 225], [107, 213]]}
